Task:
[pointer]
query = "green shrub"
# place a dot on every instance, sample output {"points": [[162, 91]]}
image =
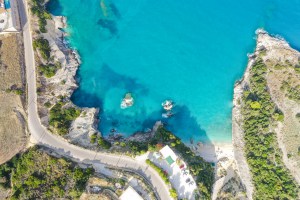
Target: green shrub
{"points": [[17, 91], [61, 118], [47, 104], [270, 177], [173, 193], [43, 46], [35, 175], [38, 9], [160, 171], [93, 138], [49, 70], [104, 143], [199, 168]]}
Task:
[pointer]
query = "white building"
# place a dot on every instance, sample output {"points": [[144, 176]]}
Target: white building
{"points": [[178, 172], [130, 194], [169, 155], [9, 16]]}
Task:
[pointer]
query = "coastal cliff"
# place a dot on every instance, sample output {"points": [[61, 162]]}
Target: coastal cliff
{"points": [[264, 122], [56, 81]]}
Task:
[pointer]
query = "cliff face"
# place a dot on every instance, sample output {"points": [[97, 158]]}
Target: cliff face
{"points": [[282, 64], [63, 83]]}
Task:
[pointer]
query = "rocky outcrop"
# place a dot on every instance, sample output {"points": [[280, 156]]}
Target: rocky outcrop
{"points": [[63, 83], [237, 131], [274, 51]]}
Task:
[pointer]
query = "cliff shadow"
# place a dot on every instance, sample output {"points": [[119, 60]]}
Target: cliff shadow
{"points": [[54, 7]]}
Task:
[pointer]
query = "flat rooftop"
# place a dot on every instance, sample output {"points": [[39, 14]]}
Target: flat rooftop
{"points": [[130, 194]]}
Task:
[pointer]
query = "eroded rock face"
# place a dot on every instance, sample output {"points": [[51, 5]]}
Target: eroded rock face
{"points": [[281, 61], [63, 83]]}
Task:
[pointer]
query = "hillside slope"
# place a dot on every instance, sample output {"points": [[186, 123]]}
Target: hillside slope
{"points": [[265, 123]]}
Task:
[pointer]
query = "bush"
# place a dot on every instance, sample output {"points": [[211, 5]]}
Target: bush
{"points": [[160, 171], [35, 175], [17, 91], [173, 193], [49, 70], [38, 9], [271, 179], [93, 138], [43, 46], [47, 104], [61, 118], [104, 143], [199, 168]]}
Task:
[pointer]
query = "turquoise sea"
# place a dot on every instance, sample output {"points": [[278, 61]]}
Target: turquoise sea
{"points": [[191, 52]]}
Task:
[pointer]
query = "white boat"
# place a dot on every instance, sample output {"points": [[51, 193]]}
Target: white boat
{"points": [[127, 101], [167, 105]]}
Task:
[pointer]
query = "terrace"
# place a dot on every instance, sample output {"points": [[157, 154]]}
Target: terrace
{"points": [[177, 171], [9, 16]]}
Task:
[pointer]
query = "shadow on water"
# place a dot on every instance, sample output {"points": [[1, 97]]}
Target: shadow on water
{"points": [[186, 125], [110, 16], [54, 7], [84, 99], [111, 79], [115, 10], [108, 24]]}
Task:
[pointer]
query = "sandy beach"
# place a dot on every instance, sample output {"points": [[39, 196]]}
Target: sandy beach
{"points": [[214, 151]]}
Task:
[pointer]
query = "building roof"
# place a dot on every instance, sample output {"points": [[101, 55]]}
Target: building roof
{"points": [[131, 194], [168, 154]]}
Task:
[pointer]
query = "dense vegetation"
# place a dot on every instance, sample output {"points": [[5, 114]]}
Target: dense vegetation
{"points": [[163, 174], [43, 46], [17, 91], [271, 179], [293, 93], [49, 70], [35, 175], [38, 9], [61, 118], [199, 168], [103, 143]]}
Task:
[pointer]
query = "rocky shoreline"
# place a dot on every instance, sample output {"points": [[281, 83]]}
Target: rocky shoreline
{"points": [[237, 118], [63, 83], [264, 45]]}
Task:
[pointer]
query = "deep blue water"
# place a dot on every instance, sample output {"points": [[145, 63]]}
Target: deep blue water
{"points": [[189, 51]]}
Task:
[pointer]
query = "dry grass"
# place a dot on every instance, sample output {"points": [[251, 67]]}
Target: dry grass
{"points": [[101, 182], [289, 131], [12, 115]]}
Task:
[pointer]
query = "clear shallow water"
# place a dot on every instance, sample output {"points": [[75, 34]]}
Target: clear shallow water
{"points": [[190, 52]]}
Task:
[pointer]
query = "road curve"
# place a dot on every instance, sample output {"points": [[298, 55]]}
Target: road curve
{"points": [[42, 136]]}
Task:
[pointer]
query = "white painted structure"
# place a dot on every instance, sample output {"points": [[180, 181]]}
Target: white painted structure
{"points": [[9, 16], [168, 154], [130, 194], [177, 170]]}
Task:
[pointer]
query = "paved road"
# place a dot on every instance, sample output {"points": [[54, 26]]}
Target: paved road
{"points": [[42, 136]]}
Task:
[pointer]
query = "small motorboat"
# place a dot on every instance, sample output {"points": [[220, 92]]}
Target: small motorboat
{"points": [[167, 105], [127, 101]]}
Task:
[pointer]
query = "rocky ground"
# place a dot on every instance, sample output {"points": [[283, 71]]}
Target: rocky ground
{"points": [[13, 130], [282, 62], [63, 83]]}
